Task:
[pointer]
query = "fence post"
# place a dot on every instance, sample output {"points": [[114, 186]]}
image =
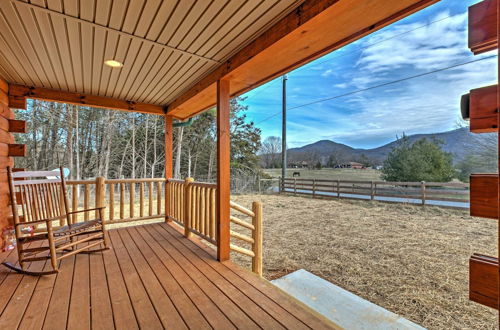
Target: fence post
{"points": [[422, 185], [338, 188], [372, 193], [187, 207], [100, 196], [295, 186], [257, 238], [280, 184], [314, 188]]}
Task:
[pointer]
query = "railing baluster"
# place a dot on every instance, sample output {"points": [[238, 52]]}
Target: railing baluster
{"points": [[141, 199], [132, 200], [111, 201], [122, 201], [158, 198], [86, 197], [74, 201], [150, 195], [207, 212], [202, 210]]}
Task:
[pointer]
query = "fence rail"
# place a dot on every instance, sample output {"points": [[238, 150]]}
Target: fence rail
{"points": [[452, 194]]}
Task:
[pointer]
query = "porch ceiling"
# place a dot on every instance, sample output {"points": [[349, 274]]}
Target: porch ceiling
{"points": [[165, 46], [175, 51]]}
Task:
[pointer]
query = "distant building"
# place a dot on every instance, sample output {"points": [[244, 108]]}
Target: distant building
{"points": [[353, 165]]}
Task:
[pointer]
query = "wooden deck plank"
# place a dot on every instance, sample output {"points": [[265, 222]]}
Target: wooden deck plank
{"points": [[300, 310], [79, 307], [164, 306], [296, 308], [143, 308], [184, 285], [11, 281], [252, 309], [14, 311], [100, 302], [39, 303], [232, 311], [57, 313], [123, 312]]}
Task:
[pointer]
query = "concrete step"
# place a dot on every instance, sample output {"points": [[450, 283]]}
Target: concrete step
{"points": [[340, 306]]}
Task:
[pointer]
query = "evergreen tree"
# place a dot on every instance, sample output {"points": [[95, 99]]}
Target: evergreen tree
{"points": [[421, 161]]}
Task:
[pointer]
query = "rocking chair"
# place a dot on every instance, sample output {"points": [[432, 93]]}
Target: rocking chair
{"points": [[41, 213]]}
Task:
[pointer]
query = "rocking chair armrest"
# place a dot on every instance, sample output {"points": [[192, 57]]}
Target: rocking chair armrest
{"points": [[87, 210], [34, 222]]}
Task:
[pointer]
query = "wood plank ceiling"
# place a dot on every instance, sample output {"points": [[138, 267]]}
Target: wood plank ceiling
{"points": [[165, 46]]}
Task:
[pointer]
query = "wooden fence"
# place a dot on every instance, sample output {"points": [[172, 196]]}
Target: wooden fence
{"points": [[435, 193]]}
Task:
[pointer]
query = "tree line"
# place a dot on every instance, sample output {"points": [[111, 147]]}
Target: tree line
{"points": [[422, 160], [94, 142]]}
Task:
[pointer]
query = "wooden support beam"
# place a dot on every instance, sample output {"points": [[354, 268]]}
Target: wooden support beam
{"points": [[18, 95], [483, 26], [17, 150], [484, 195], [296, 39], [17, 126], [483, 280], [223, 170], [169, 136]]}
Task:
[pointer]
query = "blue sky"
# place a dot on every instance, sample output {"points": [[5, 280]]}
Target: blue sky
{"points": [[372, 118]]}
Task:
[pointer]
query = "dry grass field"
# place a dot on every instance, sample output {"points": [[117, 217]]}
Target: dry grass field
{"points": [[330, 174], [408, 259]]}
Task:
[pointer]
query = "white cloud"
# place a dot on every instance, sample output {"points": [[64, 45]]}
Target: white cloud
{"points": [[327, 73], [426, 104]]}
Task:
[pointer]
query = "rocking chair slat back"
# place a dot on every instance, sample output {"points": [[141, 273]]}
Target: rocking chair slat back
{"points": [[39, 195]]}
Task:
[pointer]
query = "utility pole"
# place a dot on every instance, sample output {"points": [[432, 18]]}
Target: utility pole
{"points": [[283, 134]]}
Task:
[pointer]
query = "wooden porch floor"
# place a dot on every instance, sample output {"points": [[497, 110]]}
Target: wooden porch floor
{"points": [[153, 278]]}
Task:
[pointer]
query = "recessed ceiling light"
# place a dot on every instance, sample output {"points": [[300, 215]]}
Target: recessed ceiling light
{"points": [[113, 63]]}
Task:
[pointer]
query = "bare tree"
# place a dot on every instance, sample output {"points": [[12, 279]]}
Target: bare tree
{"points": [[270, 152]]}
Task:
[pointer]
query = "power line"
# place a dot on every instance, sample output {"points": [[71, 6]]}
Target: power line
{"points": [[380, 85], [354, 51]]}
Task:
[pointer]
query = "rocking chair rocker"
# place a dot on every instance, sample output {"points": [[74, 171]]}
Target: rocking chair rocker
{"points": [[38, 200]]}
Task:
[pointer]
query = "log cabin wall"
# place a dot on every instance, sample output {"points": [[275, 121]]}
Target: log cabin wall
{"points": [[8, 150]]}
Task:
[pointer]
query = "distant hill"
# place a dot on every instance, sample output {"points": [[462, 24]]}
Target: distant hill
{"points": [[458, 142]]}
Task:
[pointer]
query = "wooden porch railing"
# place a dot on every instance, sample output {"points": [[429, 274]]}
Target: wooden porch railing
{"points": [[120, 197], [192, 205]]}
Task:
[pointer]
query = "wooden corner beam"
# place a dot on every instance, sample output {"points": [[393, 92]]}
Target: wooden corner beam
{"points": [[18, 95]]}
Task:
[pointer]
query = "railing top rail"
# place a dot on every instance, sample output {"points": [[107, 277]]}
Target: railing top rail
{"points": [[175, 181], [93, 181], [135, 180], [80, 182], [203, 184]]}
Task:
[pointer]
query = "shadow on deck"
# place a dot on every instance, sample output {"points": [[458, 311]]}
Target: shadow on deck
{"points": [[152, 278]]}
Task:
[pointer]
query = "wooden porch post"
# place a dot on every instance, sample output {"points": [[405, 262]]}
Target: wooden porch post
{"points": [[169, 135], [223, 169]]}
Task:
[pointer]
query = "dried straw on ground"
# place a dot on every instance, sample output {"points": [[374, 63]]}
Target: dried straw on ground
{"points": [[410, 260]]}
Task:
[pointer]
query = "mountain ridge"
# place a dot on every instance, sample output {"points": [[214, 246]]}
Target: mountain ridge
{"points": [[459, 142]]}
